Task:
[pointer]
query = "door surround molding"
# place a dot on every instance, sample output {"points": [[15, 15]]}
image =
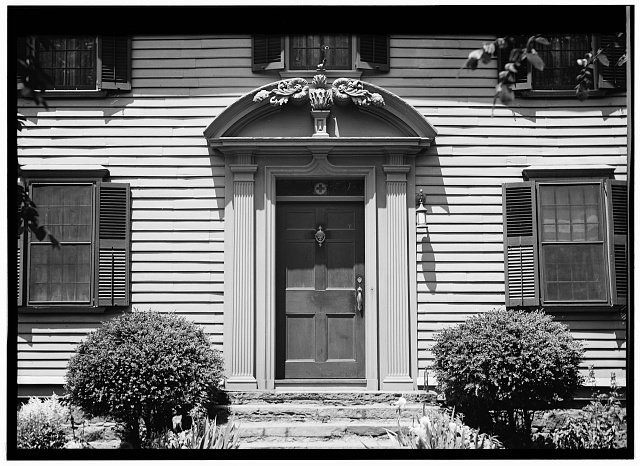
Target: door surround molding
{"points": [[259, 143]]}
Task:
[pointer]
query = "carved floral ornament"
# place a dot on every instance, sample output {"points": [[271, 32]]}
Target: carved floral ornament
{"points": [[321, 97]]}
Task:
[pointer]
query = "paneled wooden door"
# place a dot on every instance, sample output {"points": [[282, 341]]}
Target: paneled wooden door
{"points": [[320, 325]]}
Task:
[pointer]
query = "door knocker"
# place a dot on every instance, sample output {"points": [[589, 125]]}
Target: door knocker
{"points": [[320, 236]]}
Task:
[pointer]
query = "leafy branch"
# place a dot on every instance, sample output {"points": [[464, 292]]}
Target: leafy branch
{"points": [[585, 78], [31, 83], [518, 57], [521, 56]]}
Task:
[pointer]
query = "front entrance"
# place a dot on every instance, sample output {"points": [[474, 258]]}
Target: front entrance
{"points": [[320, 289]]}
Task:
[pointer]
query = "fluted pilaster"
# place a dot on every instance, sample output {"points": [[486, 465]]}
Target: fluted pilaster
{"points": [[242, 358], [395, 317]]}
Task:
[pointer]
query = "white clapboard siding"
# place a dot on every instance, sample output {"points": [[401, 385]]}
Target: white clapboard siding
{"points": [[152, 138]]}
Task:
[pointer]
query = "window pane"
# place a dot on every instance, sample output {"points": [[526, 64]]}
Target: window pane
{"points": [[574, 272], [70, 62], [571, 213], [559, 58], [60, 274], [306, 52], [65, 210]]}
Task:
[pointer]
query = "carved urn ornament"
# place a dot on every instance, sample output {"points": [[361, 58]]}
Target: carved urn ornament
{"points": [[320, 96]]}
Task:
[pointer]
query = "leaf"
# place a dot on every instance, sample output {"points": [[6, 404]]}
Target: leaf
{"points": [[54, 242], [622, 60], [474, 57], [506, 95], [535, 60], [40, 233], [602, 58]]}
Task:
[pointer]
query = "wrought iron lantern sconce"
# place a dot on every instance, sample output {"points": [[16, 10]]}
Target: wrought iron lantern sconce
{"points": [[421, 212]]}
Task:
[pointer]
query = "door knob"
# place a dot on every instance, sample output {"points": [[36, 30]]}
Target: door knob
{"points": [[359, 296]]}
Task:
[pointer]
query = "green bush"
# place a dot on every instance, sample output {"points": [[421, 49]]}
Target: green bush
{"points": [[40, 423], [509, 362], [144, 365]]}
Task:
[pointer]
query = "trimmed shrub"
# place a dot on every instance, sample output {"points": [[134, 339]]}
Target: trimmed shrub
{"points": [[144, 365], [40, 423], [505, 361]]}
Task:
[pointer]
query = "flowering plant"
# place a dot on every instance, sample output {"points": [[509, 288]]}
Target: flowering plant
{"points": [[40, 423], [440, 429], [601, 424]]}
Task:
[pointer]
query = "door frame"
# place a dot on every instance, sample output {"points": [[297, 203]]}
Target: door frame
{"points": [[266, 263]]}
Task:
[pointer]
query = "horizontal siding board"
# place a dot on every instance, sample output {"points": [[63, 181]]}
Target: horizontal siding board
{"points": [[177, 266], [178, 246]]}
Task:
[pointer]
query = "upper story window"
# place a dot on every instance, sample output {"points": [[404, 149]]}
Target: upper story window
{"points": [[307, 51], [561, 68], [70, 62], [83, 63], [560, 61], [304, 52], [565, 240]]}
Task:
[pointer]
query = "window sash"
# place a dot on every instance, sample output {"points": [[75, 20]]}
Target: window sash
{"points": [[310, 50], [63, 64], [559, 58], [544, 244], [33, 242], [573, 282]]}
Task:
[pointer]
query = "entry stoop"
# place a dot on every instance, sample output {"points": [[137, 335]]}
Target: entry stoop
{"points": [[297, 419]]}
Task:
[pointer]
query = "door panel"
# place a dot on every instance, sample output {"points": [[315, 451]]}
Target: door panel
{"points": [[319, 331]]}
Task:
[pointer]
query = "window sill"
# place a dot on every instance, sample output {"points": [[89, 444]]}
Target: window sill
{"points": [[331, 74], [97, 172], [577, 307], [561, 94], [61, 309], [567, 171], [89, 94]]}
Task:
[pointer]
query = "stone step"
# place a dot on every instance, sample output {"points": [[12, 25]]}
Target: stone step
{"points": [[327, 397], [265, 430], [348, 442], [298, 412]]}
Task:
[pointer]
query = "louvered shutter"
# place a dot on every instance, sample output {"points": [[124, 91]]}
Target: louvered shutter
{"points": [[523, 77], [115, 62], [618, 244], [20, 259], [520, 244], [113, 251], [20, 270], [373, 52], [267, 52], [612, 76]]}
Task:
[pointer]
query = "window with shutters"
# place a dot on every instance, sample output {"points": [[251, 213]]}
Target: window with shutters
{"points": [[304, 52], [83, 63], [565, 242], [90, 267], [561, 67]]}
